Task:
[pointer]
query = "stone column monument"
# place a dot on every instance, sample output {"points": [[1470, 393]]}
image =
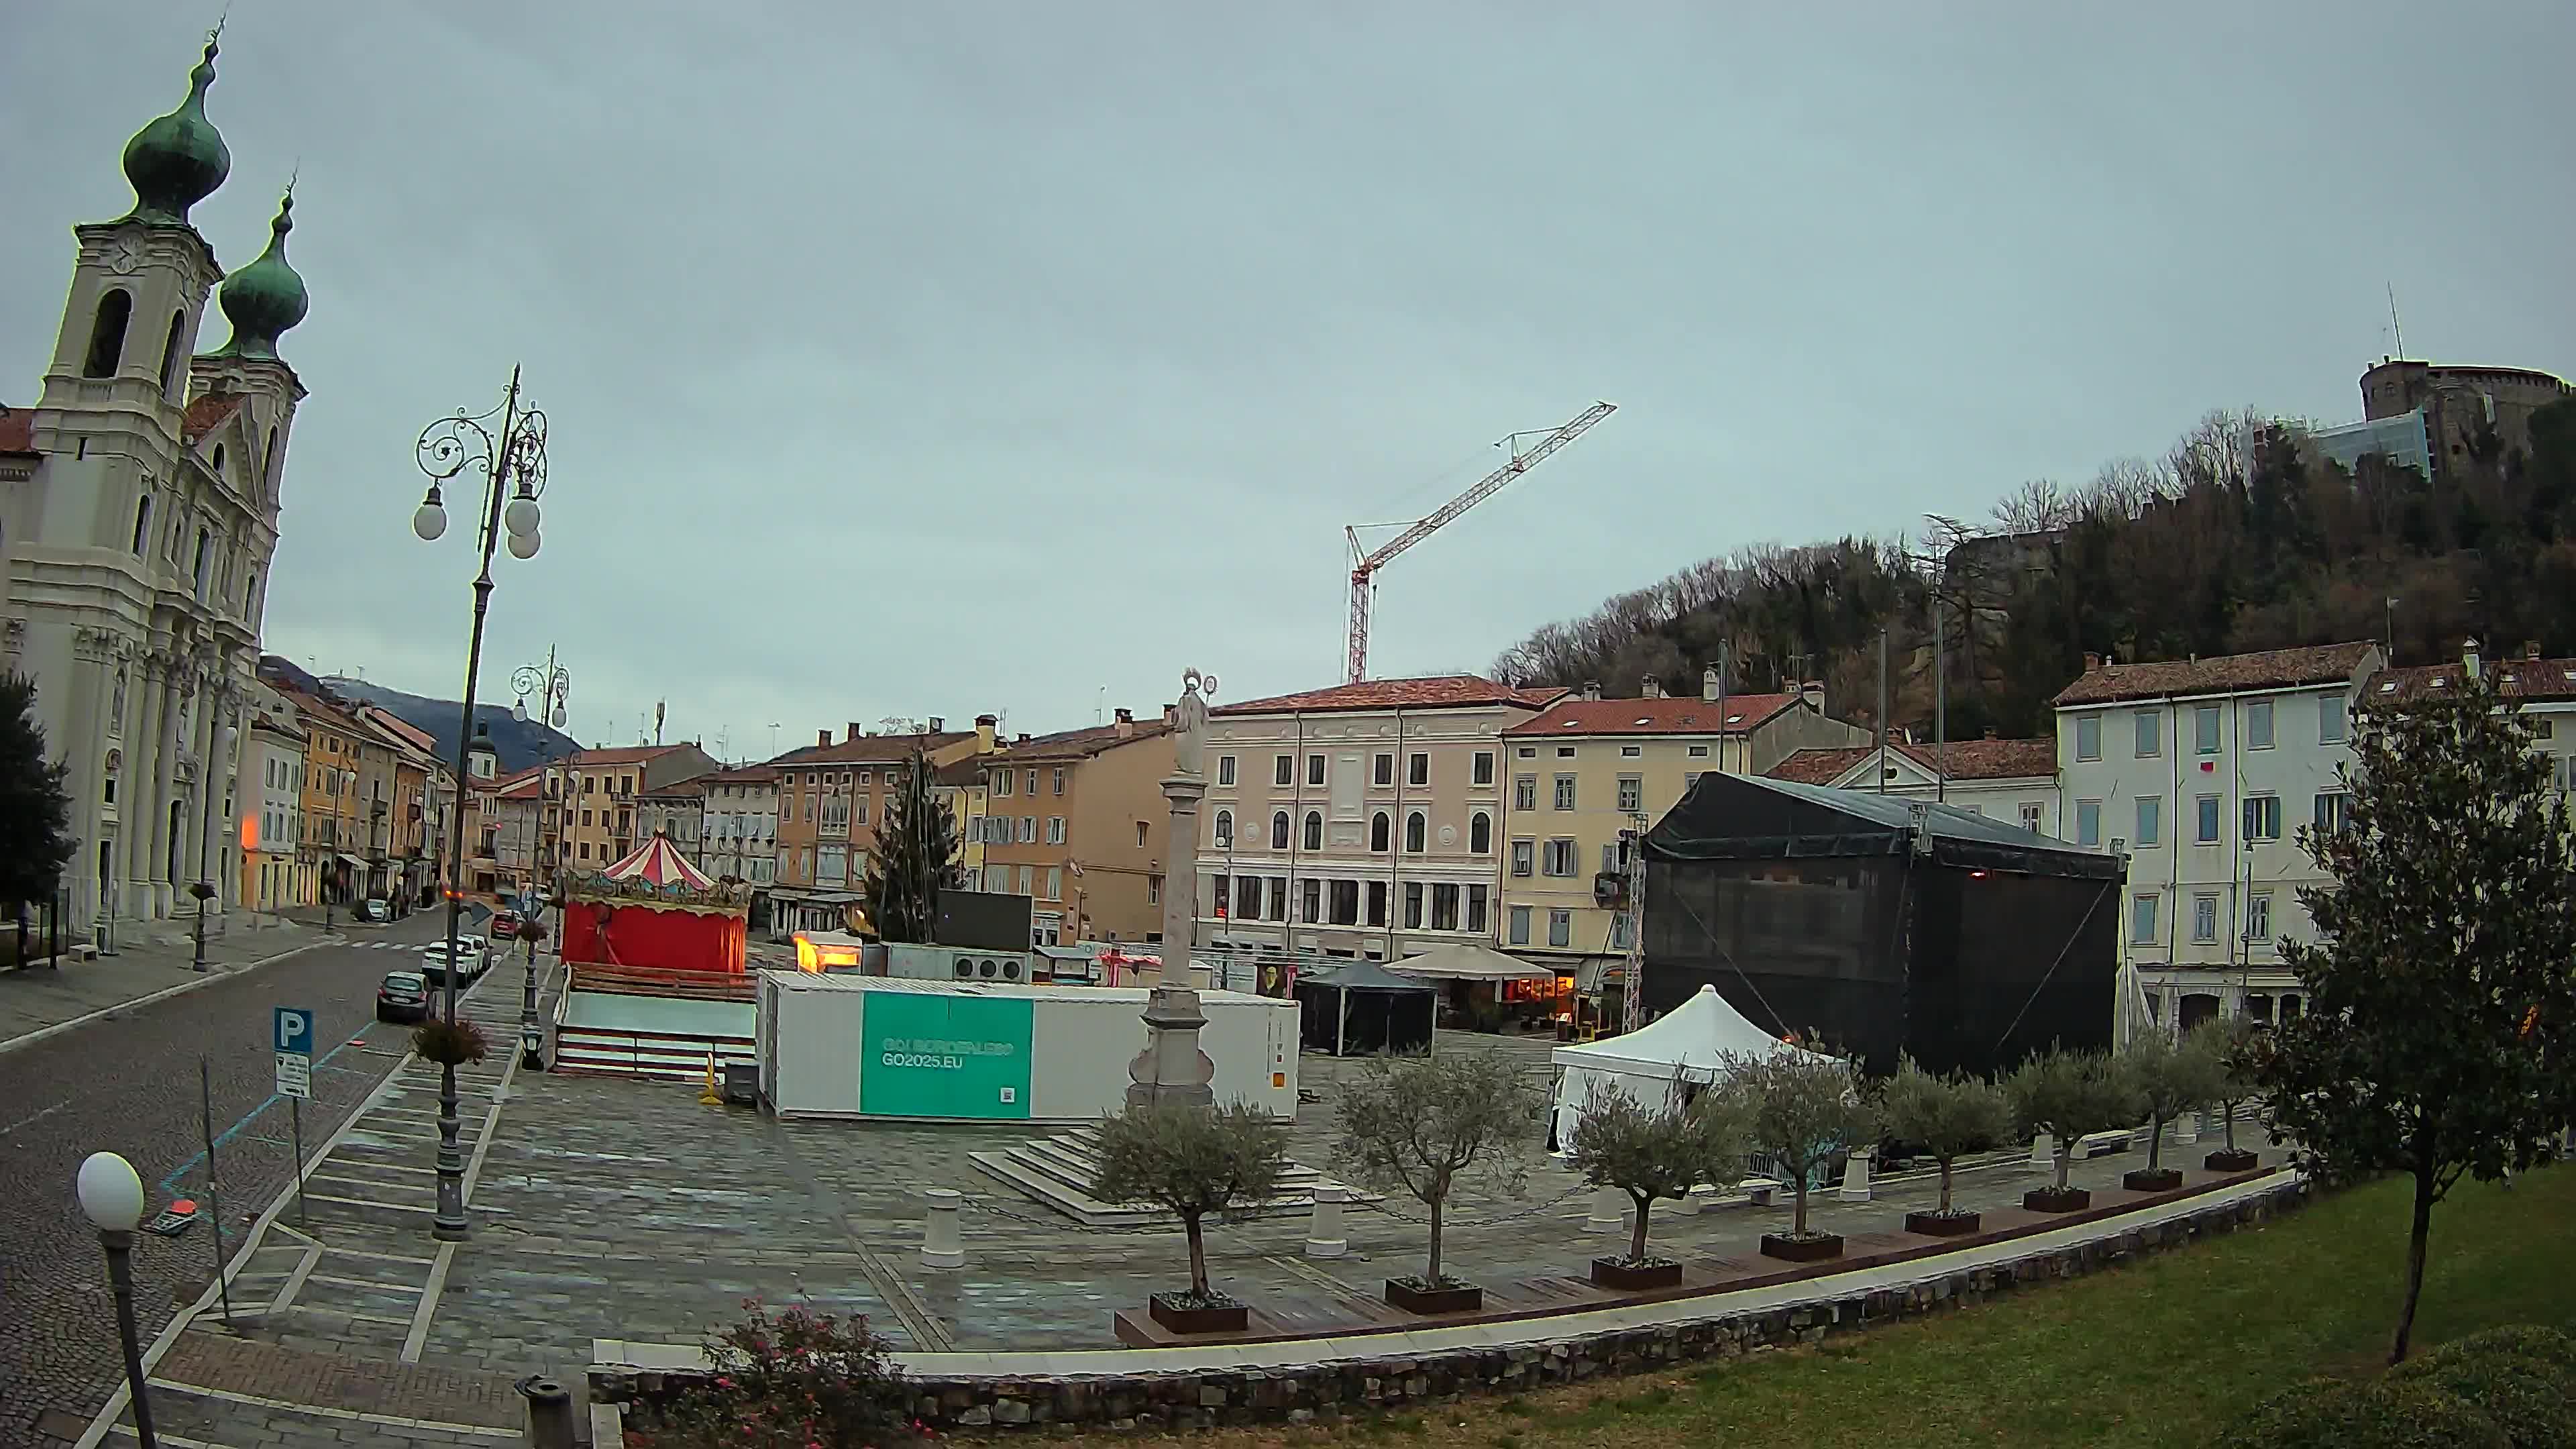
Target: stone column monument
{"points": [[1172, 1070]]}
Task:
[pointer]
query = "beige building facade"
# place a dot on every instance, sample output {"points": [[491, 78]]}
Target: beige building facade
{"points": [[1365, 820], [1076, 821], [1584, 770]]}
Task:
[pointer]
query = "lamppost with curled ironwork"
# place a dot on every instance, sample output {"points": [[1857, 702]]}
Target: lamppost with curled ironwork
{"points": [[513, 464]]}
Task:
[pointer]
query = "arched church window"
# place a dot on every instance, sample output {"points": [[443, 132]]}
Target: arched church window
{"points": [[170, 352], [107, 334], [142, 523], [205, 547], [219, 460]]}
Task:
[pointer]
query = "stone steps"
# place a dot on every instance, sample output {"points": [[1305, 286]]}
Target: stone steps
{"points": [[1056, 1172]]}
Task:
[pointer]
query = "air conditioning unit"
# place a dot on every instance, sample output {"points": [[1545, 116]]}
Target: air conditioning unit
{"points": [[2119, 845], [1010, 970], [965, 968]]}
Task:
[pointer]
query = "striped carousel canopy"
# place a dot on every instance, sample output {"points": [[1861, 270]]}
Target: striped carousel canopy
{"points": [[656, 864]]}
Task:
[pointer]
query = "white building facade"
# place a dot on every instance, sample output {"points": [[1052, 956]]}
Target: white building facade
{"points": [[2014, 781], [272, 769], [138, 515], [742, 824], [2202, 773]]}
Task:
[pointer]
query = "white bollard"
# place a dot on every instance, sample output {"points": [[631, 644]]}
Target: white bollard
{"points": [[1855, 1177], [2186, 1129], [2043, 1152], [1324, 1236], [940, 1245], [1609, 1211]]}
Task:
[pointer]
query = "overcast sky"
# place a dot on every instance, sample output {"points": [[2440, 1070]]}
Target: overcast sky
{"points": [[933, 359]]}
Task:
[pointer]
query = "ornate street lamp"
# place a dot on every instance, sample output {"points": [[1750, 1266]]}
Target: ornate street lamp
{"points": [[552, 685], [513, 465], [111, 1197]]}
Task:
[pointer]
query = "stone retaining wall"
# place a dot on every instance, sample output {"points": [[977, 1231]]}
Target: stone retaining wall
{"points": [[1326, 1390]]}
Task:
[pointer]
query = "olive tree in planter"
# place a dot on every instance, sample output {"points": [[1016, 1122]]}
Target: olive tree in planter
{"points": [[1191, 1162], [1799, 1108], [2069, 1096], [1425, 1126], [1948, 1117], [2240, 1048], [1651, 1154], [2170, 1078]]}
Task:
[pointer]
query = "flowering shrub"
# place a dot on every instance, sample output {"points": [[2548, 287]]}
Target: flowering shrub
{"points": [[791, 1379], [451, 1043]]}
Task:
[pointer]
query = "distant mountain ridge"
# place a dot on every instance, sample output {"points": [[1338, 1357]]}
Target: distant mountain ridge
{"points": [[518, 743]]}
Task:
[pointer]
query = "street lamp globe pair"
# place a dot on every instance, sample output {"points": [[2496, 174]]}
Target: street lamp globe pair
{"points": [[519, 519]]}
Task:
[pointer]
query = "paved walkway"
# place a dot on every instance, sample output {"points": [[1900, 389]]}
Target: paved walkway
{"points": [[35, 998], [607, 1209]]}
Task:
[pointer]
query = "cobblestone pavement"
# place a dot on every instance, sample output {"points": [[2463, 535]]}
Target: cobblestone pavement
{"points": [[128, 1083], [614, 1209]]}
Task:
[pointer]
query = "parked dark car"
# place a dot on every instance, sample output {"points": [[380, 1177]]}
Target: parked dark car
{"points": [[403, 996]]}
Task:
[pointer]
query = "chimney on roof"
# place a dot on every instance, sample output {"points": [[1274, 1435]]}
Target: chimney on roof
{"points": [[986, 727], [1813, 692], [822, 737], [1654, 687], [1708, 687], [2092, 661], [1990, 732], [2469, 658], [854, 731], [2531, 649], [1023, 739], [1126, 723], [1171, 714], [1592, 689], [938, 724]]}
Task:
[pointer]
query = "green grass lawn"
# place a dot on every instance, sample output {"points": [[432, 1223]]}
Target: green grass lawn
{"points": [[2161, 1353]]}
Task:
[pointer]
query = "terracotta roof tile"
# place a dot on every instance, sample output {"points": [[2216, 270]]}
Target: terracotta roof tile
{"points": [[623, 755], [1080, 744], [871, 749], [2539, 679], [1968, 760], [17, 430], [962, 773], [207, 413], [745, 775], [1668, 716], [1450, 691], [2220, 674]]}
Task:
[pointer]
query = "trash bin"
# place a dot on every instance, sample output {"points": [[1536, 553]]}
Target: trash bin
{"points": [[742, 1083]]}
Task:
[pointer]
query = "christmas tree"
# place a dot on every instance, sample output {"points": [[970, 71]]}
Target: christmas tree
{"points": [[916, 859]]}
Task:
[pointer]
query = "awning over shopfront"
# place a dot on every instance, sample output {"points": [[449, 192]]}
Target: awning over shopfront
{"points": [[351, 861]]}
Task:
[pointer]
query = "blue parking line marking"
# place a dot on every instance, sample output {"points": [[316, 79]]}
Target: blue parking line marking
{"points": [[170, 1184]]}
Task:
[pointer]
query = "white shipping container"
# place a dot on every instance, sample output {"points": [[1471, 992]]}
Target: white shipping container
{"points": [[884, 1047]]}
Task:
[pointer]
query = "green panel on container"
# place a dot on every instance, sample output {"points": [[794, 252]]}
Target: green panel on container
{"points": [[946, 1056]]}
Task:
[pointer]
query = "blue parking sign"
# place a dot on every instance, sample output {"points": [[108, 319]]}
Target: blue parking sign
{"points": [[294, 1031]]}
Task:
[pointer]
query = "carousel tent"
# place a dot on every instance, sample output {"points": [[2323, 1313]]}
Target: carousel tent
{"points": [[1677, 1052], [1361, 1009], [1467, 961], [654, 910]]}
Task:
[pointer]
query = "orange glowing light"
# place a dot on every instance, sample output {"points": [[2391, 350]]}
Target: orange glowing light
{"points": [[250, 832]]}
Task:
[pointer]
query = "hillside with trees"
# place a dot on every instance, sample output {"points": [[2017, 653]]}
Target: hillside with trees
{"points": [[2241, 537]]}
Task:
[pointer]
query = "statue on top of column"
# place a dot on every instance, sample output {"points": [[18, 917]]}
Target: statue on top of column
{"points": [[1189, 724]]}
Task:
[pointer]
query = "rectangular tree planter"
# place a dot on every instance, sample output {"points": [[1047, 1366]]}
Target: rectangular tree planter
{"points": [[1184, 1317], [1942, 1225], [1629, 1277], [2056, 1200], [2152, 1179], [1448, 1298], [2231, 1160], [1802, 1250]]}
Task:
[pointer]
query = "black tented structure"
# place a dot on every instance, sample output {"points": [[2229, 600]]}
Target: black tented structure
{"points": [[1881, 924], [1359, 1009]]}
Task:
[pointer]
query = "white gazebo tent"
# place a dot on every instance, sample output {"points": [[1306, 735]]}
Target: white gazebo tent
{"points": [[1678, 1050]]}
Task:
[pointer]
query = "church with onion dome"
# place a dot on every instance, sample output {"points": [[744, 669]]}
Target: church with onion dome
{"points": [[138, 514]]}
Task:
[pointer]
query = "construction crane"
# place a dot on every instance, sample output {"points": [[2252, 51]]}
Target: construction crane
{"points": [[1366, 563]]}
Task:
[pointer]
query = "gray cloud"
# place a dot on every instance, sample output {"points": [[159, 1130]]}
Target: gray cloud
{"points": [[907, 360]]}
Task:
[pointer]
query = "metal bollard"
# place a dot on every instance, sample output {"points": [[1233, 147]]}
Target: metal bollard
{"points": [[549, 1412], [1324, 1235], [1855, 1177], [1608, 1213], [941, 1247], [2043, 1152]]}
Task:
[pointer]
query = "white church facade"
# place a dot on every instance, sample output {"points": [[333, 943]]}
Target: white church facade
{"points": [[138, 516]]}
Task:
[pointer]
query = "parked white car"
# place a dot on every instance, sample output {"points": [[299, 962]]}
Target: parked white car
{"points": [[474, 957]]}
